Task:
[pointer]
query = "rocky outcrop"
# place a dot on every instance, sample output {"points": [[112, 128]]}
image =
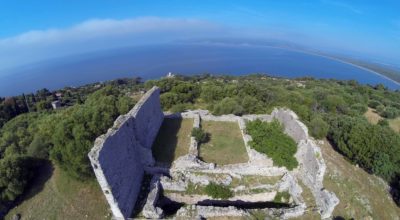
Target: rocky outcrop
{"points": [[120, 156]]}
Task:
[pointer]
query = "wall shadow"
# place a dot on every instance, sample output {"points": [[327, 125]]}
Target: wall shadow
{"points": [[165, 144], [243, 204]]}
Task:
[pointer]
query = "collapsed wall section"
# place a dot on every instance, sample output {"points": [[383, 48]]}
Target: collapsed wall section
{"points": [[120, 156], [311, 164]]}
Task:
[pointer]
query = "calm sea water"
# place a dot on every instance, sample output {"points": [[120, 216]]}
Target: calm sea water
{"points": [[157, 60]]}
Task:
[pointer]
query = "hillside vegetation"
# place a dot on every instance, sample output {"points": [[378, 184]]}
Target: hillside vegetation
{"points": [[330, 108]]}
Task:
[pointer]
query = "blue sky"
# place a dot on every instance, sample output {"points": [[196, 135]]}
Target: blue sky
{"points": [[31, 31]]}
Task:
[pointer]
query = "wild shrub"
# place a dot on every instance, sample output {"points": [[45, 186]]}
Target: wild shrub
{"points": [[270, 139], [200, 135]]}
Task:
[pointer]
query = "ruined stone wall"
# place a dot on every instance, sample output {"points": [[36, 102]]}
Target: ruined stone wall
{"points": [[120, 156], [311, 164], [293, 127]]}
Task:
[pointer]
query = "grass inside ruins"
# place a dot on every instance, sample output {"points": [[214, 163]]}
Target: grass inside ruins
{"points": [[226, 144], [173, 140]]}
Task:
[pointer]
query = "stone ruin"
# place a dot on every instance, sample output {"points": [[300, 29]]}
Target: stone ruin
{"points": [[122, 156]]}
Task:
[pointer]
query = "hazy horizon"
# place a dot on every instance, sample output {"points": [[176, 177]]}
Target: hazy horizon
{"points": [[42, 31]]}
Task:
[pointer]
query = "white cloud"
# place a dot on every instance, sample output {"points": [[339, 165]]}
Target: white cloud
{"points": [[109, 28], [97, 34]]}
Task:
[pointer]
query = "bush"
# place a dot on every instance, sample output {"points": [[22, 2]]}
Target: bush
{"points": [[228, 106], [200, 135], [383, 122], [318, 127], [270, 139], [374, 103], [15, 173], [359, 108], [375, 148], [390, 112], [179, 108], [218, 191], [74, 134]]}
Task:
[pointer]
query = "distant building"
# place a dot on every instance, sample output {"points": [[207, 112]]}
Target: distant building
{"points": [[56, 104], [170, 75], [59, 95]]}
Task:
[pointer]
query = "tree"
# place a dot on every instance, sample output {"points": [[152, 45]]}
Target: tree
{"points": [[228, 106], [15, 173], [168, 99], [318, 127]]}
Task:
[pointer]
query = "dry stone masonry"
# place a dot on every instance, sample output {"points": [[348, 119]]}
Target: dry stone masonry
{"points": [[121, 157]]}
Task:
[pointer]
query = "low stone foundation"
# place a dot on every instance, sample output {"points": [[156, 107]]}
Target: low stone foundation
{"points": [[311, 168]]}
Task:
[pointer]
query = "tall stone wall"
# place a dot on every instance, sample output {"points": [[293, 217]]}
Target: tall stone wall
{"points": [[120, 156]]}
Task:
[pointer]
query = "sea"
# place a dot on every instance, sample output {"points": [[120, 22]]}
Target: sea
{"points": [[155, 61]]}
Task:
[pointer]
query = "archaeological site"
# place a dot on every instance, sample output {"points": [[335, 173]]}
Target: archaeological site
{"points": [[150, 166]]}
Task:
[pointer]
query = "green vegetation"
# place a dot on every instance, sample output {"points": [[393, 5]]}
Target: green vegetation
{"points": [[282, 197], [318, 127], [55, 195], [74, 135], [64, 136], [270, 139], [361, 194], [374, 118], [226, 144], [253, 180], [375, 148], [173, 140], [31, 132], [218, 191], [200, 135], [228, 106]]}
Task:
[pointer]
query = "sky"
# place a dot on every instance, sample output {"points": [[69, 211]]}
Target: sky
{"points": [[33, 31]]}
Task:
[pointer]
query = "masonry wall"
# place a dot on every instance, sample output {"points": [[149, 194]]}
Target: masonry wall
{"points": [[120, 156]]}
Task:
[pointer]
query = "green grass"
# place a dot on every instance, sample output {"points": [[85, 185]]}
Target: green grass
{"points": [[252, 180], [360, 194], [226, 144], [218, 191], [282, 197], [373, 117], [173, 140], [54, 195]]}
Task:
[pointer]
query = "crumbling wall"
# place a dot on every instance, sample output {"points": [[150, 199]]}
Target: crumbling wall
{"points": [[311, 164], [120, 156], [293, 127]]}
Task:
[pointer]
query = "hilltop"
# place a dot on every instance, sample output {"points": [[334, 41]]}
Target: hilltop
{"points": [[329, 108]]}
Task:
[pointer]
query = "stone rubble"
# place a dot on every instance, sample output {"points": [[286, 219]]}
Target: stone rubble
{"points": [[150, 210]]}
